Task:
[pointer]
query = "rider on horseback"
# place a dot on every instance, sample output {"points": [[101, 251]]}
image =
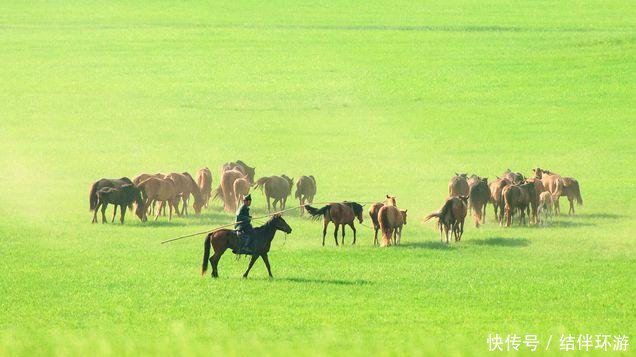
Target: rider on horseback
{"points": [[243, 226]]}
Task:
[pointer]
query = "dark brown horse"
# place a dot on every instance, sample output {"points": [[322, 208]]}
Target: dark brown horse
{"points": [[518, 198], [223, 239], [451, 217], [102, 183], [478, 199], [305, 191], [340, 214], [123, 197], [572, 191]]}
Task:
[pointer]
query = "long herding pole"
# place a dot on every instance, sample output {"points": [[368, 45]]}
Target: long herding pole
{"points": [[225, 225]]}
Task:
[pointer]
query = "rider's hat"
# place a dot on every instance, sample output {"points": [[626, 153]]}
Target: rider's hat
{"points": [[248, 198]]}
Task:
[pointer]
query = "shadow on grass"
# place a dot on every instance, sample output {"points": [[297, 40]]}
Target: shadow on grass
{"points": [[500, 242], [327, 281], [564, 224], [595, 215], [430, 245]]}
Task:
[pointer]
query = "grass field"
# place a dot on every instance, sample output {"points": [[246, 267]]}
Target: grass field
{"points": [[370, 98]]}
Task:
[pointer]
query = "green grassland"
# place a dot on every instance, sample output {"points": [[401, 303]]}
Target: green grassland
{"points": [[369, 97]]}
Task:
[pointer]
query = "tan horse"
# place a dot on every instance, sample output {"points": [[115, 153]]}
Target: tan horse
{"points": [[458, 185], [340, 214], [225, 191], [496, 188], [163, 190], [240, 166], [391, 221], [241, 188], [545, 206], [478, 199], [373, 213], [305, 191], [142, 177], [552, 183], [186, 185], [204, 181], [451, 217], [276, 187]]}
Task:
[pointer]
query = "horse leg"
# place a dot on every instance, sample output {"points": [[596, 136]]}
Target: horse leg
{"points": [[249, 267], [353, 228], [266, 260], [335, 233], [571, 199], [214, 260], [343, 233], [114, 213], [324, 231], [123, 213], [269, 210], [375, 236], [159, 210], [95, 212], [104, 205], [176, 209]]}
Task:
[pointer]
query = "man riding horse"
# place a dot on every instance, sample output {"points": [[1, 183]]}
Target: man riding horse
{"points": [[243, 226]]}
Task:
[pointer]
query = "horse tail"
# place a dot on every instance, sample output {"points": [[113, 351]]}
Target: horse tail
{"points": [[577, 193], [92, 197], [315, 212], [206, 253], [218, 193], [385, 225], [261, 182]]}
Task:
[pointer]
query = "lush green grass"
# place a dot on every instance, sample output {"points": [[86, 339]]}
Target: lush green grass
{"points": [[370, 98]]}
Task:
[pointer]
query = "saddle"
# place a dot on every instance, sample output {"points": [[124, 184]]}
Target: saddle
{"points": [[242, 248]]}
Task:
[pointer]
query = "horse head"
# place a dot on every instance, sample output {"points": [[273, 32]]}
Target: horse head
{"points": [[403, 213], [280, 224], [390, 201], [140, 211]]}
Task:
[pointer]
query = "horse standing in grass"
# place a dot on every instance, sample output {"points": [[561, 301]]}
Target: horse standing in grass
{"points": [[535, 198], [185, 186], [241, 167], [478, 199], [101, 183], [123, 197], [340, 214], [373, 213], [305, 191], [241, 189], [545, 206], [518, 197], [391, 220], [552, 183], [150, 206], [225, 191], [204, 181], [163, 190], [451, 217], [222, 239], [277, 188], [458, 185], [572, 191], [496, 188]]}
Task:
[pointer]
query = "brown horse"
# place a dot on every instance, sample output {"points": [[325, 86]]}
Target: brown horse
{"points": [[451, 217], [305, 191], [458, 185], [496, 188], [150, 208], [240, 166], [373, 213], [222, 239], [572, 191], [545, 206], [225, 191], [121, 196], [535, 199], [340, 214], [518, 197], [391, 220], [241, 189], [478, 199], [276, 187], [515, 177], [185, 186], [204, 181], [163, 190], [552, 183]]}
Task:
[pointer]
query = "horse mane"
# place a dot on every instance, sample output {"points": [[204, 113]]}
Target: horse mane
{"points": [[195, 187], [356, 207]]}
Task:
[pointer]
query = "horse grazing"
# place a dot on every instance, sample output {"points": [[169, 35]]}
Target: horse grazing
{"points": [[123, 197], [373, 213], [451, 217], [515, 177], [552, 183], [305, 191], [241, 189], [222, 239], [163, 190], [496, 188], [478, 199], [518, 197], [101, 183], [276, 187], [572, 191], [150, 206], [545, 205], [185, 186], [204, 181], [340, 214], [391, 220], [458, 185]]}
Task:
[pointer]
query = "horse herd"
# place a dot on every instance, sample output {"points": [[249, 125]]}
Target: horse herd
{"points": [[510, 195]]}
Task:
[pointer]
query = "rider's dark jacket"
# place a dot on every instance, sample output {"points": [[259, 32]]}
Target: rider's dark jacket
{"points": [[243, 219]]}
